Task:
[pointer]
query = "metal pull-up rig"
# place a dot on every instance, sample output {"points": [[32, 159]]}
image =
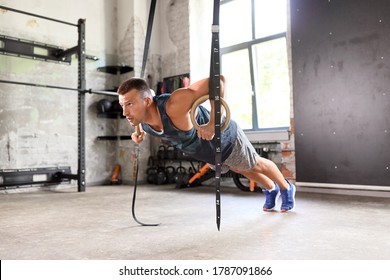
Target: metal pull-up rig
{"points": [[45, 52]]}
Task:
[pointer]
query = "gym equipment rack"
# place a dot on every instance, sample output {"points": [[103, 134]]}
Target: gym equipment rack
{"points": [[44, 52]]}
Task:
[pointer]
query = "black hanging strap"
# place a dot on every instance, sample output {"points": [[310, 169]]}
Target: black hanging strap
{"points": [[215, 94], [148, 35], [146, 50]]}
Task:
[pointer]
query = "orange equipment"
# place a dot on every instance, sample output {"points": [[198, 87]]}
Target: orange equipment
{"points": [[252, 185], [200, 173], [114, 177]]}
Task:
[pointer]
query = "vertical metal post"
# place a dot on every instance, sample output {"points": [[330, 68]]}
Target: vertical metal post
{"points": [[81, 106]]}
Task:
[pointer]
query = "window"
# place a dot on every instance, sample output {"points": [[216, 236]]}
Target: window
{"points": [[254, 62]]}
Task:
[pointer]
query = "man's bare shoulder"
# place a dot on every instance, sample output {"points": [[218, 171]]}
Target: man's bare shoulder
{"points": [[180, 102]]}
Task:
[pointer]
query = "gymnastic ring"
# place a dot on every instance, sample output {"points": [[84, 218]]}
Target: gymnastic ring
{"points": [[202, 99]]}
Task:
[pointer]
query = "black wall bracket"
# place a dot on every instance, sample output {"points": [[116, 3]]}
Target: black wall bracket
{"points": [[11, 178], [33, 50], [37, 51]]}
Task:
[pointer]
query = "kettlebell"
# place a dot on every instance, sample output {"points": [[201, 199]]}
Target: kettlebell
{"points": [[170, 172], [179, 176], [151, 173], [171, 152], [161, 153], [161, 176]]}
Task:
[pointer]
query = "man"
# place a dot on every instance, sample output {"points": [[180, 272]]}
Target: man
{"points": [[168, 116]]}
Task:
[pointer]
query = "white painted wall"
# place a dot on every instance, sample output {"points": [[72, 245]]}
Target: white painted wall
{"points": [[175, 33], [201, 17]]}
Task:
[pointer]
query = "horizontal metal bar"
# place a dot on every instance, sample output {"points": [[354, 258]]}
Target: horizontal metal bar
{"points": [[248, 44], [111, 93], [116, 69], [343, 186], [68, 176], [66, 53], [120, 137], [91, 57], [35, 15], [38, 85]]}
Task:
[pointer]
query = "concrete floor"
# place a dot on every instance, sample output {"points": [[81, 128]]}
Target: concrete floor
{"points": [[98, 224]]}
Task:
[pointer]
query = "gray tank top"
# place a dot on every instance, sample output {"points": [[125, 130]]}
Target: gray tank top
{"points": [[188, 141]]}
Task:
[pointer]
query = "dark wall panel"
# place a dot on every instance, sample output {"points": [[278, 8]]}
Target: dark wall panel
{"points": [[341, 85]]}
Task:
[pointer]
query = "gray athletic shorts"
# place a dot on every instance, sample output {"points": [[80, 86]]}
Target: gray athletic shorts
{"points": [[243, 156]]}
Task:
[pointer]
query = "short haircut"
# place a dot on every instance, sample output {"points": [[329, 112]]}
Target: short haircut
{"points": [[135, 83]]}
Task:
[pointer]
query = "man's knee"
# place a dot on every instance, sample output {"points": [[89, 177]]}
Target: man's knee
{"points": [[263, 164]]}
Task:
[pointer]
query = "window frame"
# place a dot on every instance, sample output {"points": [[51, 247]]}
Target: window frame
{"points": [[272, 133]]}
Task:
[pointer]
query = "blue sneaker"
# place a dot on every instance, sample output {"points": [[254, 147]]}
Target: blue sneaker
{"points": [[270, 198], [288, 198]]}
